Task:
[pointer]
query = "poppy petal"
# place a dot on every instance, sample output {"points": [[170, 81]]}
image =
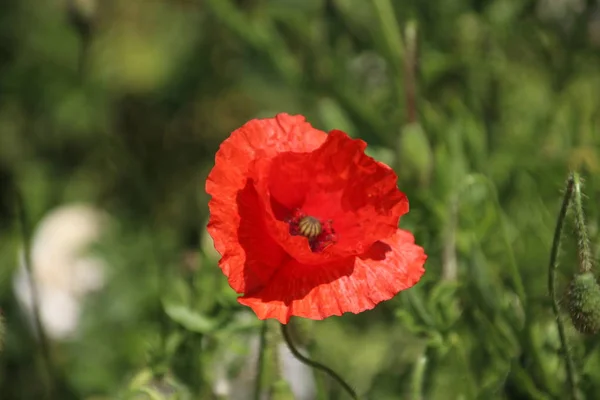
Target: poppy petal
{"points": [[353, 284], [236, 221], [336, 182], [253, 258]]}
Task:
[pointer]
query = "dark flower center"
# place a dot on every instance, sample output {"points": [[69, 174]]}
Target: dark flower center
{"points": [[320, 235]]}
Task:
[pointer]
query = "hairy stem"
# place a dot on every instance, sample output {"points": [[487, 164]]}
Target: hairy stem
{"points": [[552, 287], [313, 364], [583, 242]]}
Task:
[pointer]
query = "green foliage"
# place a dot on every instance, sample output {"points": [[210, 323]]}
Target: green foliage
{"points": [[505, 100]]}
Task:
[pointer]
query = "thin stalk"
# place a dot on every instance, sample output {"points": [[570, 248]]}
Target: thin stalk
{"points": [[583, 241], [261, 360], [313, 364], [46, 360], [416, 387], [552, 287]]}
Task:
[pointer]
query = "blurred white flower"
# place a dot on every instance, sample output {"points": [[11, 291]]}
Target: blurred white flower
{"points": [[63, 270]]}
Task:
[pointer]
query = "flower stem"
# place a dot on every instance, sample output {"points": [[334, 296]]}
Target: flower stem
{"points": [[571, 182], [313, 364], [261, 360], [583, 242], [418, 377], [45, 357]]}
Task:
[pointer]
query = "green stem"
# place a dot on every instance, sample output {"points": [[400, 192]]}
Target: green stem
{"points": [[418, 377], [261, 360], [552, 287], [313, 364], [45, 357], [585, 259]]}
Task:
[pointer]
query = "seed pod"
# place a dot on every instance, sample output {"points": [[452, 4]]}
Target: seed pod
{"points": [[310, 227], [583, 301]]}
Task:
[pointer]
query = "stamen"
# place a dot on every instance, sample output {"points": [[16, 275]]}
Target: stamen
{"points": [[319, 234]]}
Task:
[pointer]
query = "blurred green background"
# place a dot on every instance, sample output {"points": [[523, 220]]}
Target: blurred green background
{"points": [[482, 107]]}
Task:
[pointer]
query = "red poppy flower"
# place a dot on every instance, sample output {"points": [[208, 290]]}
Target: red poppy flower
{"points": [[306, 223]]}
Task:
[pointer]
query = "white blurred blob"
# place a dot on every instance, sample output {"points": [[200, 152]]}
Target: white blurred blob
{"points": [[63, 271], [241, 385]]}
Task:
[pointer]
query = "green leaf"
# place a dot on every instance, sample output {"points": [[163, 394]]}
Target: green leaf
{"points": [[188, 318]]}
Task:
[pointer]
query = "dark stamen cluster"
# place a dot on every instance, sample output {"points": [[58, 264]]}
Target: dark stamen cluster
{"points": [[319, 234]]}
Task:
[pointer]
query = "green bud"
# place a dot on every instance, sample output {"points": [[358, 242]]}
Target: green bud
{"points": [[583, 301]]}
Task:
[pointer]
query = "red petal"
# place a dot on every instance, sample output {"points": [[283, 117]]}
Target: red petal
{"points": [[235, 216], [337, 181], [354, 284], [251, 256]]}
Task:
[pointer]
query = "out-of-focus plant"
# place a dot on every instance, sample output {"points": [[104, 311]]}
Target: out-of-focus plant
{"points": [[479, 106]]}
